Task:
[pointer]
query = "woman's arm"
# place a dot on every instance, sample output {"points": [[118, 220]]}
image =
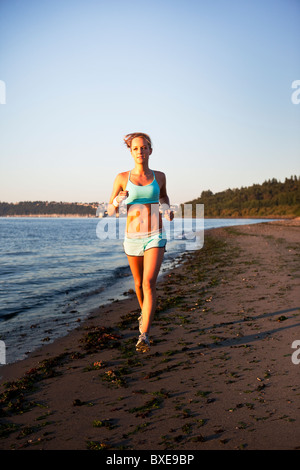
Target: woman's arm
{"points": [[117, 195], [164, 200]]}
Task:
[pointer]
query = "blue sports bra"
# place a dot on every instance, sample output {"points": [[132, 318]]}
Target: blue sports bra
{"points": [[148, 194]]}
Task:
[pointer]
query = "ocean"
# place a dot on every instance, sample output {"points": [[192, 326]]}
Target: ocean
{"points": [[56, 270]]}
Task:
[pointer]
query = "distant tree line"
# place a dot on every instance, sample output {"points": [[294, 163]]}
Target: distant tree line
{"points": [[47, 208], [269, 199]]}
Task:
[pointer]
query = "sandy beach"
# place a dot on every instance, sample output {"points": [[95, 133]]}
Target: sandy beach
{"points": [[219, 375]]}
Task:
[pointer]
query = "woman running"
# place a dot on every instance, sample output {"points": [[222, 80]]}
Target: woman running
{"points": [[143, 189]]}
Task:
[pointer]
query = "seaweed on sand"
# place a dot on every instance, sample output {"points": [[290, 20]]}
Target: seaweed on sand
{"points": [[100, 337]]}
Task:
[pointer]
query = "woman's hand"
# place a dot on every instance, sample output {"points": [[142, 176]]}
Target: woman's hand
{"points": [[167, 212], [120, 198], [169, 215]]}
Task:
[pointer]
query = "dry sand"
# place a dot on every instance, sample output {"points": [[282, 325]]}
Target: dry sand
{"points": [[219, 374]]}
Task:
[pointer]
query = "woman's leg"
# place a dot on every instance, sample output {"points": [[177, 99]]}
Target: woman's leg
{"points": [[136, 264], [152, 263]]}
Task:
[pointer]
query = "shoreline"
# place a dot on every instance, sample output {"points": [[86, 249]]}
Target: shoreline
{"points": [[52, 330], [219, 374], [75, 216], [49, 216]]}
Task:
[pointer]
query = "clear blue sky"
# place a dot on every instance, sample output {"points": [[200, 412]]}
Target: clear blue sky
{"points": [[209, 80]]}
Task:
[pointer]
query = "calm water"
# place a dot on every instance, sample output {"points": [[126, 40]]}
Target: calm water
{"points": [[55, 270]]}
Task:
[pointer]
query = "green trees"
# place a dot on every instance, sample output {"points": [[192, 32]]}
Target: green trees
{"points": [[270, 199], [39, 208]]}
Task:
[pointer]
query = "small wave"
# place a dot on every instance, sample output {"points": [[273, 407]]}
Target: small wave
{"points": [[121, 271], [5, 272], [8, 316], [19, 253], [97, 286]]}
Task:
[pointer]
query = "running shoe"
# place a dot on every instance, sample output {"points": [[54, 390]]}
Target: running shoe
{"points": [[143, 344]]}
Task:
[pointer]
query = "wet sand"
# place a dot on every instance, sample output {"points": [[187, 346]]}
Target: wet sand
{"points": [[219, 375]]}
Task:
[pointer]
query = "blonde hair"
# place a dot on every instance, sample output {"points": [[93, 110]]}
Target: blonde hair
{"points": [[129, 138]]}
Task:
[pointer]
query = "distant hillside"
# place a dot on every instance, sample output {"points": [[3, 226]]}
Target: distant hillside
{"points": [[269, 199], [39, 208]]}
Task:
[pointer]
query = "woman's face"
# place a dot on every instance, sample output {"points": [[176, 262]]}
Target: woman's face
{"points": [[140, 150]]}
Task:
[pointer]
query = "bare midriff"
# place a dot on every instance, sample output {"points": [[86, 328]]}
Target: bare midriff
{"points": [[143, 220]]}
